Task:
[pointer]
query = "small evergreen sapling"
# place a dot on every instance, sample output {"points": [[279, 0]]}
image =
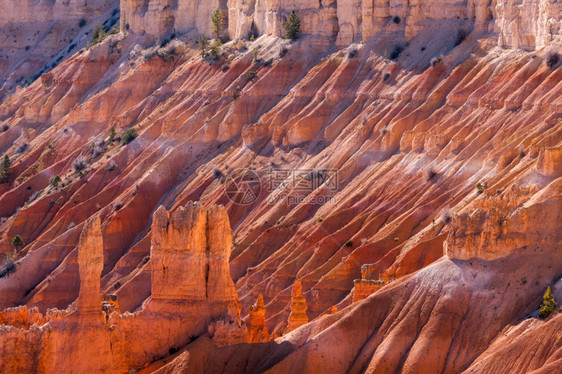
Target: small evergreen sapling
{"points": [[548, 305]]}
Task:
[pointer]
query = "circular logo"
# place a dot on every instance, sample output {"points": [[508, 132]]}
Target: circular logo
{"points": [[243, 186]]}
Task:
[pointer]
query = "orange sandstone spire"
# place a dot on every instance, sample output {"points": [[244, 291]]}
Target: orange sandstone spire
{"points": [[256, 326], [90, 262], [298, 316]]}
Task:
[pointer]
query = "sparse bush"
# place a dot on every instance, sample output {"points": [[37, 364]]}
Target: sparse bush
{"points": [[112, 134], [98, 150], [8, 267], [55, 181], [255, 53], [98, 35], [17, 242], [216, 48], [480, 187], [319, 219], [292, 26], [396, 19], [128, 136], [251, 75], [79, 164], [235, 95], [166, 54], [552, 59], [548, 305], [150, 54], [114, 30]]}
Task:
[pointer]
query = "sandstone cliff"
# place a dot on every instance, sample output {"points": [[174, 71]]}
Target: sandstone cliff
{"points": [[528, 24], [85, 338]]}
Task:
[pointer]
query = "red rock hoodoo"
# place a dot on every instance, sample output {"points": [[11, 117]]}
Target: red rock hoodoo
{"points": [[182, 305], [257, 329], [298, 316]]}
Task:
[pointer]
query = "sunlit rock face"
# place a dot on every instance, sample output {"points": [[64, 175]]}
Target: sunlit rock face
{"points": [[298, 316], [439, 122], [88, 338], [257, 330], [530, 24]]}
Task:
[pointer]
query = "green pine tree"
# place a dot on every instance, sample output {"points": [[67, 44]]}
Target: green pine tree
{"points": [[203, 45], [4, 168], [6, 163], [17, 242], [216, 48], [112, 134], [217, 20], [548, 305], [292, 26]]}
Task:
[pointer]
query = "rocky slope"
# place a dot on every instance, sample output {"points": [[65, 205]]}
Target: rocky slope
{"points": [[438, 134], [37, 35]]}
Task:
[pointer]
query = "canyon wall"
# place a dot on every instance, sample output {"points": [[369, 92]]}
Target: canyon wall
{"points": [[53, 10], [528, 24], [426, 151]]}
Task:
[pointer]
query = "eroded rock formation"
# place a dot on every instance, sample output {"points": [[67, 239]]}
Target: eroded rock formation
{"points": [[82, 339], [90, 263], [530, 24], [494, 226], [410, 116], [298, 316], [257, 330]]}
